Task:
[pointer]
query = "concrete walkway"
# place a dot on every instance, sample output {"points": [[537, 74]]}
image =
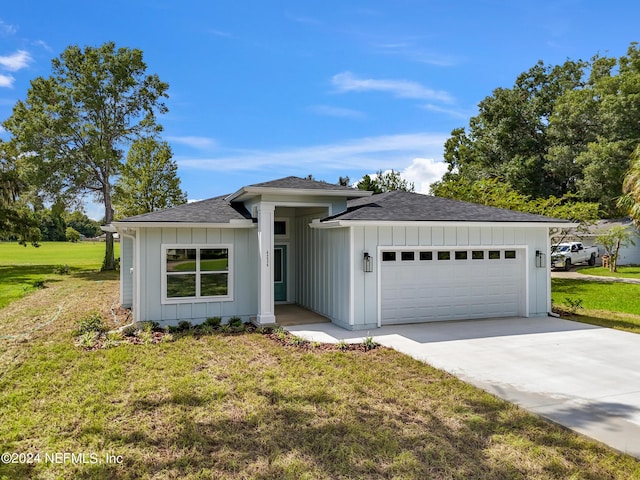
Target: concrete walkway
{"points": [[584, 377], [593, 278]]}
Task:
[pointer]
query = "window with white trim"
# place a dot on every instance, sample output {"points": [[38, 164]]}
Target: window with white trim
{"points": [[196, 272]]}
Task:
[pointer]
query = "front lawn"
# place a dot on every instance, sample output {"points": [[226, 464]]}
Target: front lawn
{"points": [[623, 271], [24, 269], [609, 304], [244, 406]]}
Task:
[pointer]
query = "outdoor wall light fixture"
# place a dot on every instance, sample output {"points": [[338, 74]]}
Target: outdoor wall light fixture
{"points": [[541, 259], [367, 262]]}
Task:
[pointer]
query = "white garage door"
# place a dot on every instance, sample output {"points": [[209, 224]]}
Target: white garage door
{"points": [[451, 284]]}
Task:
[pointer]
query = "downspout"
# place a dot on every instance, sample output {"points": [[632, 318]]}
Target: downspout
{"points": [[135, 283]]}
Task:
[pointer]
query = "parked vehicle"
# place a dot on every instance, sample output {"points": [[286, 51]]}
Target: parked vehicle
{"points": [[563, 255]]}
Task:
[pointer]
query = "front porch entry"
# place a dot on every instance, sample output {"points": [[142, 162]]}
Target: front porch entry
{"points": [[286, 270], [289, 315]]}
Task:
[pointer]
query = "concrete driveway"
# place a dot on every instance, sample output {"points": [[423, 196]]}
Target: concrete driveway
{"points": [[584, 377]]}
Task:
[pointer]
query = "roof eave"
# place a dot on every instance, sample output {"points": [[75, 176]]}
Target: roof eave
{"points": [[248, 192], [431, 223], [234, 223]]}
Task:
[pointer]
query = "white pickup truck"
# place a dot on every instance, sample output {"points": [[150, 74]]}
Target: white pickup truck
{"points": [[563, 255]]}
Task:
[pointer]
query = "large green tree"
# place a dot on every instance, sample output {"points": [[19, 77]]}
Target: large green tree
{"points": [[565, 129], [630, 201], [385, 182], [148, 180], [73, 126]]}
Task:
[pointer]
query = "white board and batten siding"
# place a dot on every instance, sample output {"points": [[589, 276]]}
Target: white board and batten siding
{"points": [[323, 270], [244, 273], [414, 290]]}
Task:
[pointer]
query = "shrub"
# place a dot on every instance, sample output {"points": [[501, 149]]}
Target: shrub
{"points": [[296, 340], [148, 326], [213, 322], [87, 339], [94, 323], [369, 344], [235, 322], [130, 331], [574, 304], [184, 326], [38, 284], [342, 345], [112, 339], [61, 269], [72, 234]]}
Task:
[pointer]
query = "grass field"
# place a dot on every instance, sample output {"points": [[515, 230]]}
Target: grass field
{"points": [[23, 267], [243, 406], [609, 304], [623, 271]]}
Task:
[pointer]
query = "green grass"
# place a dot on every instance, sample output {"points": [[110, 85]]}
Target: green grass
{"points": [[623, 271], [244, 406], [608, 304], [22, 267]]}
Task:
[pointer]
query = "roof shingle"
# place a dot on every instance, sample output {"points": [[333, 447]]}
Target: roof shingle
{"points": [[212, 210], [406, 206]]}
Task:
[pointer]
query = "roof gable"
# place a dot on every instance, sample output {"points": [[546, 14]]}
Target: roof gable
{"points": [[300, 183], [406, 206], [297, 186]]}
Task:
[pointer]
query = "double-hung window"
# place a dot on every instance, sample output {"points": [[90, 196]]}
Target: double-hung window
{"points": [[196, 273]]}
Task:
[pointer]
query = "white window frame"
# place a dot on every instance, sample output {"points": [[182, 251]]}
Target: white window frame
{"points": [[197, 298]]}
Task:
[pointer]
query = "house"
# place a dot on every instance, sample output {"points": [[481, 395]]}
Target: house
{"points": [[628, 255], [359, 259]]}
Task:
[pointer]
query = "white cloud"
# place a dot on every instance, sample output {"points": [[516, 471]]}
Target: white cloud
{"points": [[448, 111], [220, 33], [335, 111], [6, 81], [348, 82], [305, 20], [42, 44], [15, 61], [369, 153], [201, 143], [409, 50], [423, 172], [7, 29]]}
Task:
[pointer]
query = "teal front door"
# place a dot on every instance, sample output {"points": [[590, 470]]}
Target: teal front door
{"points": [[280, 273]]}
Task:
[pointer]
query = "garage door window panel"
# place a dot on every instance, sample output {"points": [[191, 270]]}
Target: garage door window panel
{"points": [[388, 256], [461, 255], [425, 256]]}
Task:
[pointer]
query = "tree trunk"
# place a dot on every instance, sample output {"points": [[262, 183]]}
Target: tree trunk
{"points": [[614, 263], [109, 258]]}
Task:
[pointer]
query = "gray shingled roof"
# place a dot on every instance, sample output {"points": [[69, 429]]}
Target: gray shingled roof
{"points": [[406, 206], [213, 210], [301, 183]]}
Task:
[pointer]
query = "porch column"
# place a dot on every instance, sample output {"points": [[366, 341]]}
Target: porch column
{"points": [[266, 314]]}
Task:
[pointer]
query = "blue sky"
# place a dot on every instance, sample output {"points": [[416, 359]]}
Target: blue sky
{"points": [[265, 89]]}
